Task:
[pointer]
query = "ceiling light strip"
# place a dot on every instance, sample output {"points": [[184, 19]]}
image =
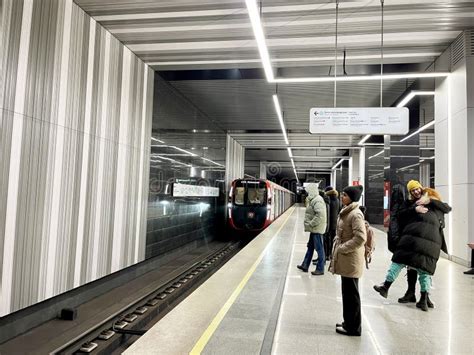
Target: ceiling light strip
{"points": [[421, 129], [266, 61], [283, 60], [174, 161], [174, 147], [280, 117], [363, 140], [376, 155], [212, 161], [337, 164], [360, 77], [412, 94], [183, 150], [260, 38]]}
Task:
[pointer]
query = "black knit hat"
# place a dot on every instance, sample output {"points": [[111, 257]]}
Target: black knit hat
{"points": [[354, 192], [328, 188]]}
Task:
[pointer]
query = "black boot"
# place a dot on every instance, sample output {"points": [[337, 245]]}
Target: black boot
{"points": [[422, 303], [409, 297], [428, 302], [410, 294], [383, 288]]}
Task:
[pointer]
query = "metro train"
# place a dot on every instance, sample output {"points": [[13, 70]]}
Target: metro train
{"points": [[255, 204]]}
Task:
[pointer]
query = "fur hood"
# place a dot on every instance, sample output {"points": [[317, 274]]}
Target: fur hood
{"points": [[312, 190], [332, 193]]}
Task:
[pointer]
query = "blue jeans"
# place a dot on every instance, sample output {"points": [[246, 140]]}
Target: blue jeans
{"points": [[315, 242]]}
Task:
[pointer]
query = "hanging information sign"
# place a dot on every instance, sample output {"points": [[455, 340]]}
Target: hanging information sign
{"points": [[360, 120], [183, 190]]}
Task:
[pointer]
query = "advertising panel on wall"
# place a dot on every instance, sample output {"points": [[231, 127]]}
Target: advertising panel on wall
{"points": [[360, 120]]}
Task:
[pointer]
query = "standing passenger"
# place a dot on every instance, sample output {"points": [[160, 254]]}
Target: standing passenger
{"points": [[315, 224], [328, 218], [397, 203], [334, 208], [348, 259], [421, 240]]}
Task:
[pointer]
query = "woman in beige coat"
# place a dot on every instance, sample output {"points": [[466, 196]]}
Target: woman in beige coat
{"points": [[348, 259]]}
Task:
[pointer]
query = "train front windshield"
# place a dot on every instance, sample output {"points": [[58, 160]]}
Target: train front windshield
{"points": [[250, 193]]}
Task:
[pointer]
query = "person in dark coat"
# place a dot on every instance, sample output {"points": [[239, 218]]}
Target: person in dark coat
{"points": [[334, 208], [397, 202], [328, 218], [421, 240]]}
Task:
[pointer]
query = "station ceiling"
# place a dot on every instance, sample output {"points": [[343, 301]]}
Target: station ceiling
{"points": [[197, 35]]}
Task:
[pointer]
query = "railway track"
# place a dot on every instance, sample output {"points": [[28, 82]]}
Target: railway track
{"points": [[122, 327]]}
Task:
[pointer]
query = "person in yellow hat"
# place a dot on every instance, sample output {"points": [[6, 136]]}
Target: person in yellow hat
{"points": [[421, 240]]}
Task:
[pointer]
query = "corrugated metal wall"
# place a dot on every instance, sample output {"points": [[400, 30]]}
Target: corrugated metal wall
{"points": [[75, 126]]}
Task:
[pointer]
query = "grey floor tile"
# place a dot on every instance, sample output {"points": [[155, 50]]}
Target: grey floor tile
{"points": [[242, 328], [230, 346], [294, 349]]}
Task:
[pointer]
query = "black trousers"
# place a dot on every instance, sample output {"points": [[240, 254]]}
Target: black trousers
{"points": [[328, 243], [351, 304]]}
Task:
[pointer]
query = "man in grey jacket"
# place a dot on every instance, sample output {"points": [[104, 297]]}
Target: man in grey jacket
{"points": [[315, 222]]}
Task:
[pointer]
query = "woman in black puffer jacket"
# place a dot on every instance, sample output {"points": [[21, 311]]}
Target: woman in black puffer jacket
{"points": [[421, 241], [422, 238]]}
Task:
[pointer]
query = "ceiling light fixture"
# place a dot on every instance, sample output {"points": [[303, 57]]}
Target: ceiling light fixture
{"points": [[412, 94], [183, 150], [260, 38], [175, 147], [421, 129], [293, 163], [337, 164], [290, 154], [376, 155], [283, 60], [280, 117], [296, 176], [212, 161], [174, 161], [361, 77], [257, 27], [309, 157], [363, 140]]}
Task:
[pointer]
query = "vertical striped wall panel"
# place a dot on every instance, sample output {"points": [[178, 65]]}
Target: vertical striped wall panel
{"points": [[234, 161], [75, 125]]}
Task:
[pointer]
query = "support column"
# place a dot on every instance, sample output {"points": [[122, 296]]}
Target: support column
{"points": [[454, 155], [362, 173], [333, 178], [425, 174], [354, 168], [263, 170], [234, 162]]}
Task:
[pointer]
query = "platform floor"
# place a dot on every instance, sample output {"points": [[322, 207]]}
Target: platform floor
{"points": [[259, 303]]}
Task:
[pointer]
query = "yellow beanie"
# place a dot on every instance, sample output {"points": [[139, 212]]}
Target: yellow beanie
{"points": [[413, 184]]}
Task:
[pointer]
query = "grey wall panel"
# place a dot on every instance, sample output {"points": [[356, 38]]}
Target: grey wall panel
{"points": [[75, 125]]}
